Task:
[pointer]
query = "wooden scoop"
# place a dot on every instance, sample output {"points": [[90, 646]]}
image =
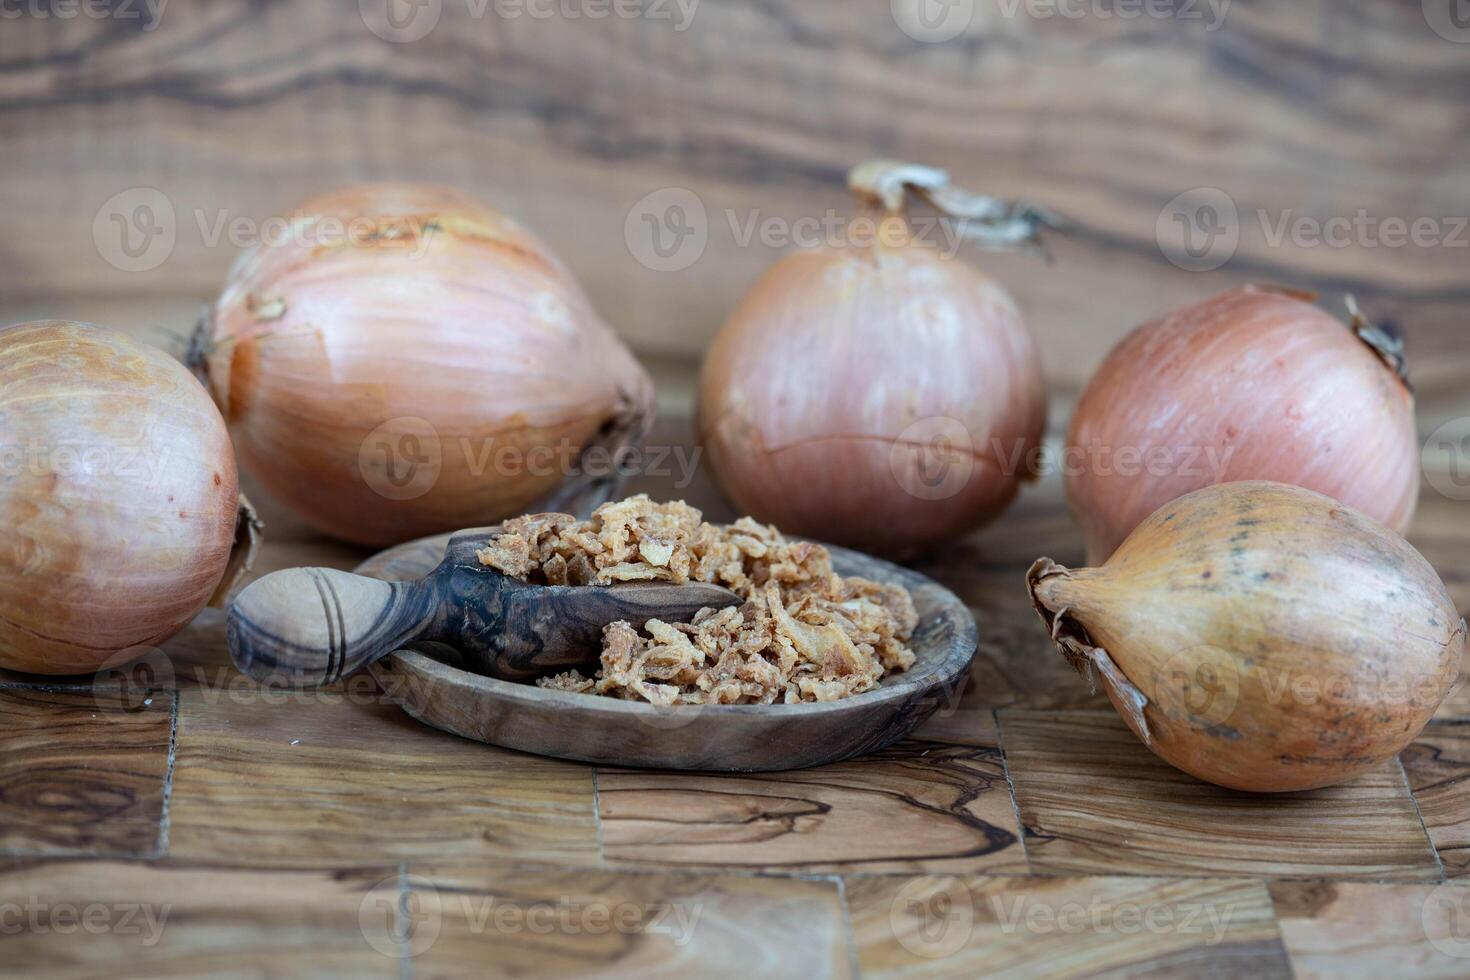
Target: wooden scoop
{"points": [[312, 626]]}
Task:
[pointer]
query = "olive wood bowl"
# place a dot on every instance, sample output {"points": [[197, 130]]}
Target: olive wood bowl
{"points": [[428, 680]]}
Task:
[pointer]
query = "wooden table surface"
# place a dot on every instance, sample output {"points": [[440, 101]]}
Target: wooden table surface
{"points": [[216, 827], [219, 828]]}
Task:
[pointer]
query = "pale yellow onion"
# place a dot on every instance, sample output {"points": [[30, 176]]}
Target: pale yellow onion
{"points": [[1253, 384], [118, 498], [1261, 636], [875, 392], [443, 370]]}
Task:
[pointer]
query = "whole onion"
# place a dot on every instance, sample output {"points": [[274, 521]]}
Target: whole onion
{"points": [[407, 361], [118, 498], [1254, 384], [1261, 636], [875, 392]]}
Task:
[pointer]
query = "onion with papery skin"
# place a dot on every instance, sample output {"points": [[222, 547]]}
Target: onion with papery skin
{"points": [[1254, 384], [408, 361], [1261, 636], [875, 392], [119, 510]]}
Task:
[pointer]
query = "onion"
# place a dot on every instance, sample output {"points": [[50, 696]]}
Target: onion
{"points": [[118, 498], [1261, 636], [875, 392], [1254, 384], [408, 361]]}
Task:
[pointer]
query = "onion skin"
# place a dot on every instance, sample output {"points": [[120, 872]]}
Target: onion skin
{"points": [[832, 355], [1261, 636], [449, 316], [1273, 386], [118, 497]]}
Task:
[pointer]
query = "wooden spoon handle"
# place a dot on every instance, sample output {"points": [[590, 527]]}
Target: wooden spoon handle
{"points": [[313, 626]]}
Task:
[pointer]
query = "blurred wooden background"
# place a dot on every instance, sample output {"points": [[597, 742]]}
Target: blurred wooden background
{"points": [[237, 109]]}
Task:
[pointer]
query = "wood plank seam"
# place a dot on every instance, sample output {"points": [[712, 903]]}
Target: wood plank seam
{"points": [[168, 776], [1409, 789], [1061, 875], [848, 933], [405, 958], [52, 687], [597, 817], [1005, 767]]}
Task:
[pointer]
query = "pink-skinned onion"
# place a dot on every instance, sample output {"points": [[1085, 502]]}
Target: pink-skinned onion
{"points": [[120, 517], [1257, 383], [409, 361], [876, 391]]}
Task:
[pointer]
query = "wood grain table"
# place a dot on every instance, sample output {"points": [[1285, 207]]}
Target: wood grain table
{"points": [[216, 828]]}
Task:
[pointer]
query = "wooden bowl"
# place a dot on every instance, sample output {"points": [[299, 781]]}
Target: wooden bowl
{"points": [[427, 682]]}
